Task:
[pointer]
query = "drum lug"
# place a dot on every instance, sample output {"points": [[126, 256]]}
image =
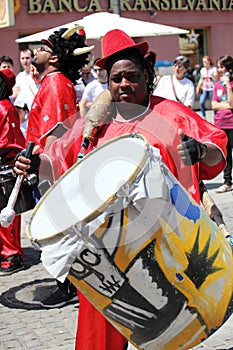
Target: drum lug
{"points": [[35, 244], [30, 180]]}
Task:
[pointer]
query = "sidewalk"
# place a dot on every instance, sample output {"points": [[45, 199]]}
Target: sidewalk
{"points": [[209, 115], [24, 325]]}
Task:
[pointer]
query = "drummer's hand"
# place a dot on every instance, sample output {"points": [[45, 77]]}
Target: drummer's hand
{"points": [[190, 150], [23, 164]]}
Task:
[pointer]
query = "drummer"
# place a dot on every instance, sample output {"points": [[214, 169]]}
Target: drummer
{"points": [[191, 147], [58, 62]]}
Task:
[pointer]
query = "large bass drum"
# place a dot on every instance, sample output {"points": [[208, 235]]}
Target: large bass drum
{"points": [[135, 243]]}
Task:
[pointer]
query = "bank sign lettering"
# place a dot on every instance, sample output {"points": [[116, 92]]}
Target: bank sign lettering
{"points": [[60, 6]]}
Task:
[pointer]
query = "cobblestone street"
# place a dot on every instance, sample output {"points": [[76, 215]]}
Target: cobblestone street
{"points": [[24, 325]]}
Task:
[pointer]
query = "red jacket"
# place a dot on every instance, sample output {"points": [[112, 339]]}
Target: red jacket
{"points": [[11, 137]]}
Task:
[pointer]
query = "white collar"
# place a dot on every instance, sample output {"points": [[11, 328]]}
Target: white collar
{"points": [[136, 117]]}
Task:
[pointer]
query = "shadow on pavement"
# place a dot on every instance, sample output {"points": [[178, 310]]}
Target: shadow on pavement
{"points": [[28, 296], [211, 186]]}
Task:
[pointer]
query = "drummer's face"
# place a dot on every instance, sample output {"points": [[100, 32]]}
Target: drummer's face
{"points": [[127, 82]]}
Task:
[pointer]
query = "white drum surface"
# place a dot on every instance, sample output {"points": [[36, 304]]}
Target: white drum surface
{"points": [[88, 187]]}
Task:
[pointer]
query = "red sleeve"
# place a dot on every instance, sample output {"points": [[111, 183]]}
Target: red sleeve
{"points": [[11, 136], [63, 153], [200, 129]]}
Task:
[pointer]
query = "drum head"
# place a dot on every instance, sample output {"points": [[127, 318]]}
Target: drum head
{"points": [[87, 188]]}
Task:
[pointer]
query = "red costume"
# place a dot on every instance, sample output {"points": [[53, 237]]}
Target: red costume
{"points": [[11, 138], [10, 135], [54, 103], [160, 127]]}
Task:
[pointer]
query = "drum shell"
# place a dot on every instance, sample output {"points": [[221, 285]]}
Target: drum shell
{"points": [[136, 256], [25, 200]]}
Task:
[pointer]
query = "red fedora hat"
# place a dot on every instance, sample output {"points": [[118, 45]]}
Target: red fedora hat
{"points": [[9, 78], [116, 41]]}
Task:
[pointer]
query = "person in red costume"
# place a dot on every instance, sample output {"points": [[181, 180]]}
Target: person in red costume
{"points": [[11, 142], [192, 148], [58, 62]]}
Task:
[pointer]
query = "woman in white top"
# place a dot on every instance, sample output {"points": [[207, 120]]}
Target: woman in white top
{"points": [[205, 86], [176, 86]]}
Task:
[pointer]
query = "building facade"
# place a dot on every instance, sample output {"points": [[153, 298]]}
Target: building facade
{"points": [[210, 23]]}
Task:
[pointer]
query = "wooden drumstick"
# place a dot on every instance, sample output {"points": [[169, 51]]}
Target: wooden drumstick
{"points": [[100, 113], [212, 210], [8, 213], [97, 116]]}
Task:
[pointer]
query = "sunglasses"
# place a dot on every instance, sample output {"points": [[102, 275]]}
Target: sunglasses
{"points": [[43, 49], [98, 69]]}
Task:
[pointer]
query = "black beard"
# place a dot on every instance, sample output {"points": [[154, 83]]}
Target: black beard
{"points": [[39, 66]]}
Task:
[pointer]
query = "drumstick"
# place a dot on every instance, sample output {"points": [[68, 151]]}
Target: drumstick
{"points": [[8, 213], [100, 113], [212, 209]]}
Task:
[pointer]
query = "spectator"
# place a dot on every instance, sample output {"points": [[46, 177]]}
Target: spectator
{"points": [[24, 80], [93, 89], [6, 62], [205, 86], [130, 86], [23, 112], [86, 77], [222, 104], [176, 86], [196, 73], [11, 142]]}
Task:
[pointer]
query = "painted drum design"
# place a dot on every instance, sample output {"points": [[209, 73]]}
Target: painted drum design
{"points": [[137, 246]]}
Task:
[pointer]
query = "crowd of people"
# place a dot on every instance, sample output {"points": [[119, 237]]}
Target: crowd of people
{"points": [[49, 103]]}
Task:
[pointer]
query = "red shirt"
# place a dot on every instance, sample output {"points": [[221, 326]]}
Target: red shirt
{"points": [[160, 127], [54, 103]]}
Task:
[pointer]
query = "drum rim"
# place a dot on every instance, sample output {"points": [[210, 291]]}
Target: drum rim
{"points": [[95, 213]]}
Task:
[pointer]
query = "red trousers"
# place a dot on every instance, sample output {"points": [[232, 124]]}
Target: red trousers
{"points": [[94, 331], [10, 239]]}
